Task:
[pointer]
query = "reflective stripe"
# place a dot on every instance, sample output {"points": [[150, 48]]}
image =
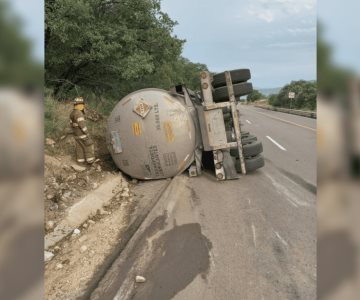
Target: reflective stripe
{"points": [[81, 160], [84, 129], [84, 136], [80, 119]]}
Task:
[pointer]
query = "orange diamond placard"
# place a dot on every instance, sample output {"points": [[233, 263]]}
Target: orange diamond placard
{"points": [[142, 108]]}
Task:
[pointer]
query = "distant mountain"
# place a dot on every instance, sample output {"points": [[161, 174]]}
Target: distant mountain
{"points": [[270, 91]]}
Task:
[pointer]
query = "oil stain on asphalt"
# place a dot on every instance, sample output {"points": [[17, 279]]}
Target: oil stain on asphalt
{"points": [[182, 254]]}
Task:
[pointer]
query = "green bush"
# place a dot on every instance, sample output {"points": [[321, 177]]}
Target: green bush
{"points": [[273, 100], [56, 118], [255, 95]]}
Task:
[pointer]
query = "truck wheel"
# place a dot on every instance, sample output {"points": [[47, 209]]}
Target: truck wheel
{"points": [[248, 139], [239, 75], [251, 164], [249, 150], [240, 89], [244, 134]]}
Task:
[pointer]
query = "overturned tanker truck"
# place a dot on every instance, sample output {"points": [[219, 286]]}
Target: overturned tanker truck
{"points": [[154, 134]]}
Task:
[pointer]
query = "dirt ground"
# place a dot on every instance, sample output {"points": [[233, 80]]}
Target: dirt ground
{"points": [[78, 257]]}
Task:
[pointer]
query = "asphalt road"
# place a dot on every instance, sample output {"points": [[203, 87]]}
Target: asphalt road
{"points": [[252, 238]]}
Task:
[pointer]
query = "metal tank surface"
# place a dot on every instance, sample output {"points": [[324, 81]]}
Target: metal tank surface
{"points": [[151, 134]]}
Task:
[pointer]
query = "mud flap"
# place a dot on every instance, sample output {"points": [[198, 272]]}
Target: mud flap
{"points": [[229, 166]]}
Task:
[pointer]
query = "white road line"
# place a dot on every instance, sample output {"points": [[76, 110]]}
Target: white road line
{"points": [[281, 239], [254, 234], [276, 143], [247, 121], [288, 193]]}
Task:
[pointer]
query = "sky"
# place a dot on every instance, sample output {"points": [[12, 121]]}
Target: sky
{"points": [[341, 30], [275, 39], [31, 13]]}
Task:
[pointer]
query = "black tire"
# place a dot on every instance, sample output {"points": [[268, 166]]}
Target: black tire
{"points": [[248, 139], [251, 164], [249, 150], [241, 89], [239, 75], [244, 135]]}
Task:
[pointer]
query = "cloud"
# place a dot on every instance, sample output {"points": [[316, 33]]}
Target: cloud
{"points": [[269, 10], [265, 15], [299, 30], [289, 45]]}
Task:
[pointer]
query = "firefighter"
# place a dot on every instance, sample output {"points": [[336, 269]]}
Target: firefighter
{"points": [[84, 144]]}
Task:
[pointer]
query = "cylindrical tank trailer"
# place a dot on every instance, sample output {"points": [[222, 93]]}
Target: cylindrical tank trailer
{"points": [[151, 134]]}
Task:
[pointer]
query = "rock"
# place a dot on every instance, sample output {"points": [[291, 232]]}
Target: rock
{"points": [[94, 185], [91, 222], [140, 279], [66, 194], [48, 256], [83, 248], [78, 168], [63, 205], [125, 194], [67, 167], [49, 225], [57, 249], [85, 225], [50, 142], [54, 206], [76, 231], [103, 212], [72, 177], [59, 266], [134, 181], [98, 168], [83, 239], [50, 196]]}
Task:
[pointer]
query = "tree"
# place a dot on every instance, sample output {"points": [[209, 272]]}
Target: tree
{"points": [[305, 95], [17, 66], [255, 95], [332, 79], [106, 46]]}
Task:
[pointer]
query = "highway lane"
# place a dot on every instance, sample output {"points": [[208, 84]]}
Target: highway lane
{"points": [[252, 238], [294, 133]]}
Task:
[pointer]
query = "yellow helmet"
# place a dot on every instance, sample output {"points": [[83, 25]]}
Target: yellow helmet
{"points": [[78, 100]]}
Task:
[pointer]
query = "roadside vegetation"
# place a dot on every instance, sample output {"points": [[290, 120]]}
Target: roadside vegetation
{"points": [[305, 96], [103, 50]]}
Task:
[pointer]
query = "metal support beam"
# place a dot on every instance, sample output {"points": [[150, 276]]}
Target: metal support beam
{"points": [[206, 88], [236, 120]]}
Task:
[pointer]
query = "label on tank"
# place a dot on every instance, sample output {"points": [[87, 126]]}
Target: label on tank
{"points": [[136, 128], [115, 141], [170, 137], [155, 161], [142, 108]]}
